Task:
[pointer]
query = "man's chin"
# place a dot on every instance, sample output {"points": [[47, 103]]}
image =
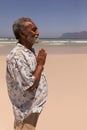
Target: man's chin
{"points": [[36, 41]]}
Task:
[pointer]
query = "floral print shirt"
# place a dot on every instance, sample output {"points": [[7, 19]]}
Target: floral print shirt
{"points": [[21, 63]]}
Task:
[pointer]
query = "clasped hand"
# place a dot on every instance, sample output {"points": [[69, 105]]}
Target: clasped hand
{"points": [[41, 57]]}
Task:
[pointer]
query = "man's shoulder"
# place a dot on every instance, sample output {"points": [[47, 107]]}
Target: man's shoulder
{"points": [[16, 52]]}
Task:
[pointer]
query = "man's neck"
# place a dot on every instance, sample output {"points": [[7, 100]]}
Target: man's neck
{"points": [[26, 44]]}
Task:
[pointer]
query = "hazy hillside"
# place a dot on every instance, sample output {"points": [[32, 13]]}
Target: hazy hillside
{"points": [[82, 34]]}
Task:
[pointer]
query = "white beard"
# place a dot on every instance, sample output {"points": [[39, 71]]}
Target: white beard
{"points": [[33, 41], [36, 41]]}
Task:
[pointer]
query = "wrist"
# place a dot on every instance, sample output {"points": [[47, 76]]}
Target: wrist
{"points": [[41, 67]]}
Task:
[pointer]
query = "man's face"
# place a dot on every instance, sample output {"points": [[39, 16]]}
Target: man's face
{"points": [[31, 32]]}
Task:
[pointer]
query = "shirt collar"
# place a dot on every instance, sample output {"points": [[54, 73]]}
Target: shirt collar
{"points": [[26, 49], [23, 47]]}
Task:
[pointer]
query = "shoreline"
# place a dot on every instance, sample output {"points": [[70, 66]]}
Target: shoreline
{"points": [[62, 49]]}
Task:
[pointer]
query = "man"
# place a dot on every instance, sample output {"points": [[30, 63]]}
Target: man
{"points": [[26, 82]]}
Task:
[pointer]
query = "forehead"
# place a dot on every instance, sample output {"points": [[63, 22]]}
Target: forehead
{"points": [[29, 24]]}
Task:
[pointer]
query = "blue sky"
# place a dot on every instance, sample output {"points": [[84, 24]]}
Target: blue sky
{"points": [[53, 17]]}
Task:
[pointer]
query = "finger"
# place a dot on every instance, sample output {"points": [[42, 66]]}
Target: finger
{"points": [[42, 54], [42, 50]]}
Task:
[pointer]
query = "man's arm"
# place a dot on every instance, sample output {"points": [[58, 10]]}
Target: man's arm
{"points": [[41, 58]]}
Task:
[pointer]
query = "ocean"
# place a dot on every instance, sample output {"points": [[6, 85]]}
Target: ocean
{"points": [[52, 45]]}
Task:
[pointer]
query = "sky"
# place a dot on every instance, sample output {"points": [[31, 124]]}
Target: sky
{"points": [[52, 17]]}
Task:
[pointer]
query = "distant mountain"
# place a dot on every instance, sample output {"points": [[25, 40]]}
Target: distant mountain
{"points": [[82, 35]]}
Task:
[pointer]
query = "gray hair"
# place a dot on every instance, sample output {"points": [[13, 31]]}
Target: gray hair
{"points": [[19, 25]]}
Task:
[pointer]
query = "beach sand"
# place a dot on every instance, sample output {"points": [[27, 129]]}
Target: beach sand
{"points": [[66, 107]]}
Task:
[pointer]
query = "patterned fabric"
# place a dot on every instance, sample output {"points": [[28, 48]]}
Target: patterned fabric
{"points": [[28, 124], [21, 63]]}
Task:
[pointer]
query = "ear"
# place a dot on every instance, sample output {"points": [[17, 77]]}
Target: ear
{"points": [[22, 35]]}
